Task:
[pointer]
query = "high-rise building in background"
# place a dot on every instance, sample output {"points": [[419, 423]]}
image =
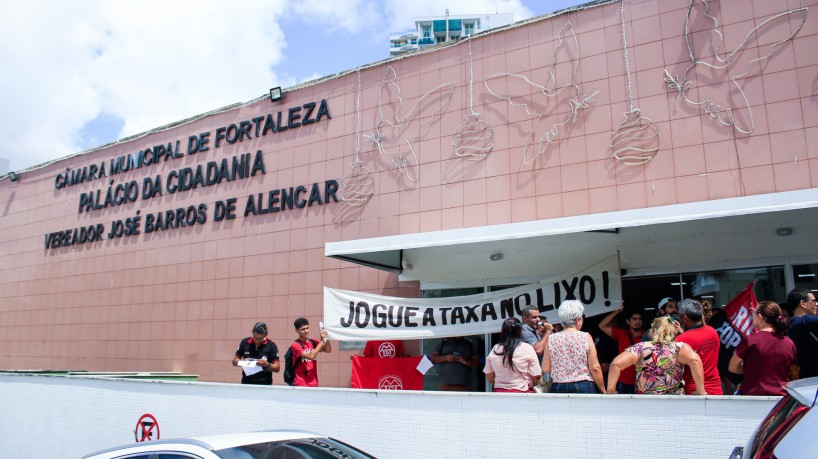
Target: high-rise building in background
{"points": [[431, 30]]}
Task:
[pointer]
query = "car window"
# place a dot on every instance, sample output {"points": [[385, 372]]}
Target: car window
{"points": [[780, 412], [176, 456], [306, 448]]}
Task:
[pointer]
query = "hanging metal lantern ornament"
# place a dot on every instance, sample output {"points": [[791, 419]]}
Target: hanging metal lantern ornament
{"points": [[636, 139], [357, 186], [474, 138]]}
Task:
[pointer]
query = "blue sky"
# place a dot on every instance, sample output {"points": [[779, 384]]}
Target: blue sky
{"points": [[77, 75]]}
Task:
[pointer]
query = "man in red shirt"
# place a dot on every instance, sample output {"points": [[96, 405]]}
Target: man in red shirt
{"points": [[624, 339], [703, 339], [305, 352], [385, 349]]}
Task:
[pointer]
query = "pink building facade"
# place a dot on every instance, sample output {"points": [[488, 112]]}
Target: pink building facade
{"points": [[492, 161]]}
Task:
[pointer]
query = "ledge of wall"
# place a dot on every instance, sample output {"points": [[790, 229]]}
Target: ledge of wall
{"points": [[83, 415]]}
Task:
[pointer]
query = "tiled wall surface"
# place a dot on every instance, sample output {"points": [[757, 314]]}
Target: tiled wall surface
{"points": [[181, 299], [394, 425]]}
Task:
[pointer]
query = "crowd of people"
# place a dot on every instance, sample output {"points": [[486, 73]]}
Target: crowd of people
{"points": [[677, 354]]}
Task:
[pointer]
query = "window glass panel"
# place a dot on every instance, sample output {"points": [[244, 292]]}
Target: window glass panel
{"points": [[722, 286], [805, 277], [644, 293], [427, 346]]}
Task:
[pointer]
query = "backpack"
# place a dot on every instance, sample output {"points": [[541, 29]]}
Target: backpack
{"points": [[290, 365]]}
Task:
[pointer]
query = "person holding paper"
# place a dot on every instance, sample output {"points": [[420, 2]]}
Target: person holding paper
{"points": [[258, 357]]}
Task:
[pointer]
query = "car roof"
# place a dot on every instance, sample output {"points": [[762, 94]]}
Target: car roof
{"points": [[217, 442], [804, 390]]}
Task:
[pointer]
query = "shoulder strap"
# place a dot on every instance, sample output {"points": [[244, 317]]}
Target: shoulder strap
{"points": [[296, 361], [303, 348]]}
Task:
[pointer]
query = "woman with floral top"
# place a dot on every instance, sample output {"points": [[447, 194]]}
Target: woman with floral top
{"points": [[659, 362]]}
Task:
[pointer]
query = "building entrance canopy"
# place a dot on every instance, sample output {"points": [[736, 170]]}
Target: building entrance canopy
{"points": [[649, 240]]}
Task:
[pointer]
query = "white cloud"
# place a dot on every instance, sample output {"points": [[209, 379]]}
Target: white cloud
{"points": [[148, 63], [152, 62], [350, 16]]}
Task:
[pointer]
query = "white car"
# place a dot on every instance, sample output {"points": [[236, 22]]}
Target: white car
{"points": [[282, 444], [789, 430]]}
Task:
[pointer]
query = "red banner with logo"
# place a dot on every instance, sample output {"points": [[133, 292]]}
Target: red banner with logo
{"points": [[733, 323], [388, 374]]}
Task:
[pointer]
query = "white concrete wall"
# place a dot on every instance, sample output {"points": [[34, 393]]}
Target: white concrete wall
{"points": [[47, 416]]}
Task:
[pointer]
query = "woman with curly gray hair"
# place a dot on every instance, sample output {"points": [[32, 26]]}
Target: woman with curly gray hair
{"points": [[570, 355]]}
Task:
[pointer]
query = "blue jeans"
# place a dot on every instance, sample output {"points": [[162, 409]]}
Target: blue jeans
{"points": [[579, 387], [625, 388]]}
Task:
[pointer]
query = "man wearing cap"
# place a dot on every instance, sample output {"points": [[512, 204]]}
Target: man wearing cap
{"points": [[667, 307], [263, 352]]}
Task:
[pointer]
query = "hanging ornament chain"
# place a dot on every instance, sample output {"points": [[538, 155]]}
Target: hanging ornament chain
{"points": [[636, 140], [625, 53], [357, 186], [474, 139]]}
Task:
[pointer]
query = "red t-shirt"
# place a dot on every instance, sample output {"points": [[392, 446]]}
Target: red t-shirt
{"points": [[705, 341], [384, 349], [624, 340], [767, 360], [306, 373]]}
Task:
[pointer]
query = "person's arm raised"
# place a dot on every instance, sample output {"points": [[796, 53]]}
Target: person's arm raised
{"points": [[606, 325]]}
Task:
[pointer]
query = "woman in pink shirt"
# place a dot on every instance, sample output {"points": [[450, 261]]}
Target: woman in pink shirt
{"points": [[512, 365]]}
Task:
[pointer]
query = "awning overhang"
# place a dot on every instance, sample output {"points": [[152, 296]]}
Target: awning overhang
{"points": [[680, 234]]}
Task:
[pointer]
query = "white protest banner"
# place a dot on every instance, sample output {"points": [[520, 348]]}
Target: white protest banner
{"points": [[365, 316]]}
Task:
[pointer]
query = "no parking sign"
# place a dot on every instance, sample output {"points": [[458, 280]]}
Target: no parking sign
{"points": [[147, 428]]}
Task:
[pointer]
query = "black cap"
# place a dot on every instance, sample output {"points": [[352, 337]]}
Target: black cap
{"points": [[260, 328]]}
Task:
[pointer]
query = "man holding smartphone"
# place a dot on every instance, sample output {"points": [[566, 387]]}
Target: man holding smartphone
{"points": [[456, 358], [535, 329], [535, 332], [305, 352]]}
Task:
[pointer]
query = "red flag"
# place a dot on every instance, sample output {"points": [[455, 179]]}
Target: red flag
{"points": [[740, 310], [732, 323], [389, 374]]}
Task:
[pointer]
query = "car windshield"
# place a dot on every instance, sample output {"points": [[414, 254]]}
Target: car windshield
{"points": [[304, 448]]}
